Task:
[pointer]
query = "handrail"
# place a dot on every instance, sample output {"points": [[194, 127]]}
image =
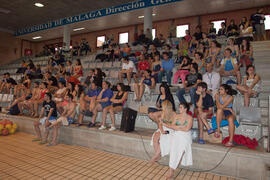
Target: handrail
{"points": [[268, 143]]}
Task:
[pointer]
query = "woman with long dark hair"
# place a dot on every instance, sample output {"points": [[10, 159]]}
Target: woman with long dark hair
{"points": [[118, 101], [246, 52], [161, 137], [98, 76], [224, 102], [173, 137], [214, 55], [164, 94], [180, 141], [78, 69], [251, 84], [183, 70]]}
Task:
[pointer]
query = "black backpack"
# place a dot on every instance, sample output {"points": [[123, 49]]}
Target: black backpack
{"points": [[14, 110]]}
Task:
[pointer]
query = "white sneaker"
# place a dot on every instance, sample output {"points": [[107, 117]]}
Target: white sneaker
{"points": [[112, 128], [102, 127]]}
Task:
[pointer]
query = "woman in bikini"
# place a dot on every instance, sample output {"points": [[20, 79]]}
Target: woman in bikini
{"points": [[36, 103], [20, 87]]}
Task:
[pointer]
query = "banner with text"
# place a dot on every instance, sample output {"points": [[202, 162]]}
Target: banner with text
{"points": [[94, 14]]}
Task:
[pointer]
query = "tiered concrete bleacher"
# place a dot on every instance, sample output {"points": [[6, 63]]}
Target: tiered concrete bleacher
{"points": [[111, 69]]}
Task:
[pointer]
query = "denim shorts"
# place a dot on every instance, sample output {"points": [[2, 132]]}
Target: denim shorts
{"points": [[43, 120]]}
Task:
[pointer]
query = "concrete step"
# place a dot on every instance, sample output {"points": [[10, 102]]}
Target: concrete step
{"points": [[258, 50], [263, 103], [264, 95], [261, 44], [265, 121], [240, 162], [264, 112]]}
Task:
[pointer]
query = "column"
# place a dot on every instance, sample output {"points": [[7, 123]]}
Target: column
{"points": [[66, 39], [147, 19]]}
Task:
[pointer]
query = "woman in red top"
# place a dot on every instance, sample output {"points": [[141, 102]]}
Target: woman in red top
{"points": [[36, 103], [246, 53], [78, 70], [142, 65]]}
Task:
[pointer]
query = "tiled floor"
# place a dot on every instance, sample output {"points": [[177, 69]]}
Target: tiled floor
{"points": [[20, 158]]}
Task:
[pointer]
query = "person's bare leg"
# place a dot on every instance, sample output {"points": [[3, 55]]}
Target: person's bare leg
{"points": [[203, 118], [112, 115], [31, 107], [45, 140], [95, 112], [200, 123], [55, 134], [170, 173], [120, 77], [135, 77], [136, 90], [15, 90], [219, 117], [36, 109], [142, 88], [129, 78], [20, 106], [157, 155], [241, 88], [154, 116], [246, 99], [37, 129], [92, 105], [104, 116], [231, 128]]}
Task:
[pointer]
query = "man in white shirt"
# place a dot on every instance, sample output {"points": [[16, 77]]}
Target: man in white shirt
{"points": [[212, 79], [128, 70]]}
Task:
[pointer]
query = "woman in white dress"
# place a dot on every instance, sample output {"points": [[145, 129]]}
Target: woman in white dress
{"points": [[251, 85], [161, 139], [180, 143]]}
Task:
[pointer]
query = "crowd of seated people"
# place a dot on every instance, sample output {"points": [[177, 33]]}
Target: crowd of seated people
{"points": [[201, 68]]}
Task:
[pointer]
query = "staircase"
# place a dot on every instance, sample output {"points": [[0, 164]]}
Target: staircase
{"points": [[262, 63]]}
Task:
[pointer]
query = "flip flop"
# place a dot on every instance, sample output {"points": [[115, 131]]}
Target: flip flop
{"points": [[229, 144], [41, 143], [210, 131], [78, 125], [48, 145], [34, 140], [201, 141], [217, 135]]}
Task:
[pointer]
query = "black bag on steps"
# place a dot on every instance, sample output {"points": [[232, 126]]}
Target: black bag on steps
{"points": [[128, 120], [14, 110]]}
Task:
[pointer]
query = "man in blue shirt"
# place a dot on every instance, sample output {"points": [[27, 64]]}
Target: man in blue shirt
{"points": [[167, 66], [103, 103]]}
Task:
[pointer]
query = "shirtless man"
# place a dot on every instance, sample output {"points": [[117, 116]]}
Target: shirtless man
{"points": [[28, 103], [66, 118]]}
